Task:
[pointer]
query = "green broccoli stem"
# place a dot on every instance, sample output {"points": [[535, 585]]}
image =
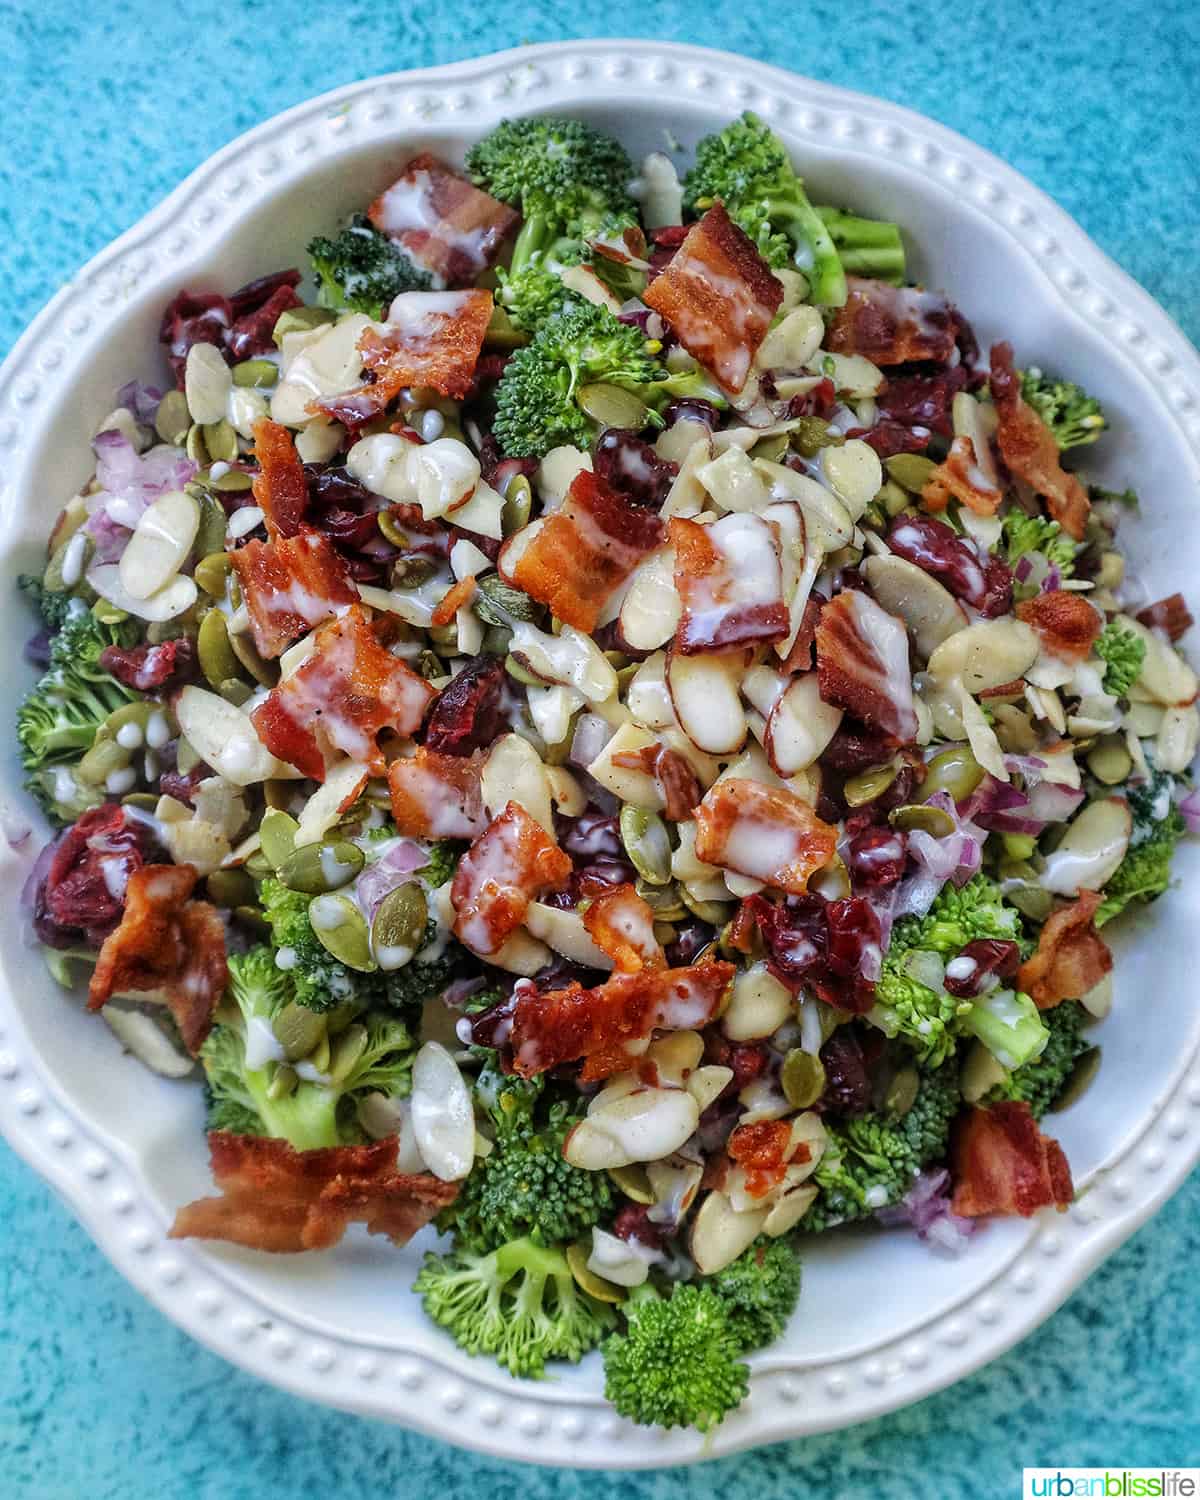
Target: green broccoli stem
{"points": [[866, 247], [821, 265]]}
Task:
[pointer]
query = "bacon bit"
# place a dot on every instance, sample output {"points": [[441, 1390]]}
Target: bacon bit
{"points": [[168, 665], [585, 550], [1071, 957], [280, 486], [289, 586], [729, 579], [1066, 623], [282, 1200], [761, 1150], [719, 296], [513, 860], [1170, 614], [1003, 1164], [621, 924], [430, 339], [862, 665], [1028, 448], [459, 595], [676, 780], [560, 1026], [960, 478], [892, 325], [168, 944], [341, 698], [446, 224], [438, 796], [765, 832], [800, 657]]}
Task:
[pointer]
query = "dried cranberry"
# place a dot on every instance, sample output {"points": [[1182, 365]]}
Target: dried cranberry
{"points": [[794, 935], [254, 332], [592, 834], [984, 584], [335, 486], [632, 1223], [168, 665], [854, 748], [600, 875], [255, 294], [492, 1027], [1170, 614], [992, 959], [632, 467], [468, 713], [922, 400], [346, 528], [182, 784], [691, 939], [889, 438], [855, 937], [847, 1081], [84, 890], [670, 234], [819, 402], [876, 856], [692, 409], [193, 318]]}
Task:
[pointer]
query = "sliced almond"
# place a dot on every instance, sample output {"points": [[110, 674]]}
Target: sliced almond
{"points": [[854, 474], [707, 1083], [380, 463], [732, 482], [342, 787], [327, 365], [481, 513], [799, 726], [442, 1114], [651, 607], [931, 612], [791, 344], [223, 736], [565, 933], [514, 772], [160, 542], [1165, 677], [521, 954], [758, 1005], [556, 473], [789, 1209], [987, 654], [704, 692], [642, 1126], [176, 595], [647, 697], [570, 658], [1091, 849], [830, 525], [719, 1235], [630, 785]]}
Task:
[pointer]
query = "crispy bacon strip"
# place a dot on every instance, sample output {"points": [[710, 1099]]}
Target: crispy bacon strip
{"points": [[729, 578], [1071, 956], [561, 1026], [719, 295], [169, 947], [513, 860], [461, 593], [280, 488], [342, 697], [763, 1150], [862, 664], [1065, 622], [585, 550], [448, 226], [765, 832], [281, 1200], [676, 780], [621, 924], [289, 586], [1003, 1164], [959, 477], [438, 796], [892, 325], [1028, 448]]}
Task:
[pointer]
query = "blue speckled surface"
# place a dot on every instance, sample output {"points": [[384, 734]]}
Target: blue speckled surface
{"points": [[99, 1395]]}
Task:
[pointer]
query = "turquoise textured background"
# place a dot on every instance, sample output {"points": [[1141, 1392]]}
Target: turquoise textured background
{"points": [[107, 106]]}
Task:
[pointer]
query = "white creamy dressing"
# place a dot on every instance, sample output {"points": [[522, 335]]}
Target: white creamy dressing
{"points": [[262, 1045]]}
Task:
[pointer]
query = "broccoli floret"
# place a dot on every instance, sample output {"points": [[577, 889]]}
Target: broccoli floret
{"points": [[1124, 652], [676, 1364], [1128, 498], [53, 605], [423, 978], [363, 269], [747, 166], [1025, 534], [443, 861], [520, 1304], [533, 295], [759, 1292], [536, 409], [315, 1113], [1009, 1025], [1071, 414], [1040, 1082], [525, 1186], [1145, 872], [865, 247]]}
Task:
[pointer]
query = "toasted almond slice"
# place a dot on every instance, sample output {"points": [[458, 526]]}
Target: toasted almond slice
{"points": [[513, 772], [565, 933], [651, 605], [719, 1235], [1091, 849], [987, 654], [160, 542], [929, 610], [799, 726], [224, 737], [704, 692], [176, 595]]}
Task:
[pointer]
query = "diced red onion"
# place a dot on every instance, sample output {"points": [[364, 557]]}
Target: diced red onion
{"points": [[592, 733], [1023, 569], [926, 1207], [122, 470], [391, 869], [141, 400], [1189, 810], [15, 827]]}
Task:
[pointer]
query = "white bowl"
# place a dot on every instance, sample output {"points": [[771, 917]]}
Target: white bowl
{"points": [[882, 1321]]}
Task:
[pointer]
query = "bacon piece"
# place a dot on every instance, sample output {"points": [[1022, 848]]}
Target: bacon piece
{"points": [[444, 223], [460, 594], [862, 664], [553, 1027], [278, 1199], [289, 586], [1071, 956], [167, 944], [341, 698], [513, 860], [621, 924], [1003, 1164], [960, 478], [438, 796], [1065, 622], [585, 550], [280, 487], [1028, 448], [765, 832], [762, 1150], [719, 296], [430, 339], [892, 325], [729, 578], [1170, 614], [676, 780]]}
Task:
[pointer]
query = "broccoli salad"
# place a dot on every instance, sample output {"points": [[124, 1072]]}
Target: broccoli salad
{"points": [[601, 725]]}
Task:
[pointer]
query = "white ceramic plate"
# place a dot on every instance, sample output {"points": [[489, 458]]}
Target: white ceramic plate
{"points": [[882, 1320]]}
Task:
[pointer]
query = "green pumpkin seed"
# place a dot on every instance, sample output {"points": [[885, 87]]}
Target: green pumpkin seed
{"points": [[221, 442], [257, 373], [253, 920], [647, 843], [663, 900], [346, 1052], [194, 445], [496, 639], [341, 929], [230, 888], [210, 534], [244, 649], [298, 1030], [392, 529], [172, 419], [1019, 846], [445, 637], [1080, 1080], [712, 912], [916, 817], [104, 758], [52, 579], [399, 925], [869, 784], [1110, 762], [300, 320], [587, 1280], [215, 650], [318, 868], [814, 433], [341, 1016], [611, 406], [145, 800], [234, 482], [634, 1182], [802, 1078], [236, 691], [955, 771], [891, 499], [910, 470], [902, 1091], [412, 570], [1031, 901], [257, 865], [498, 603], [212, 572], [503, 333], [771, 449], [139, 713], [518, 504], [108, 614], [283, 1084], [429, 665]]}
